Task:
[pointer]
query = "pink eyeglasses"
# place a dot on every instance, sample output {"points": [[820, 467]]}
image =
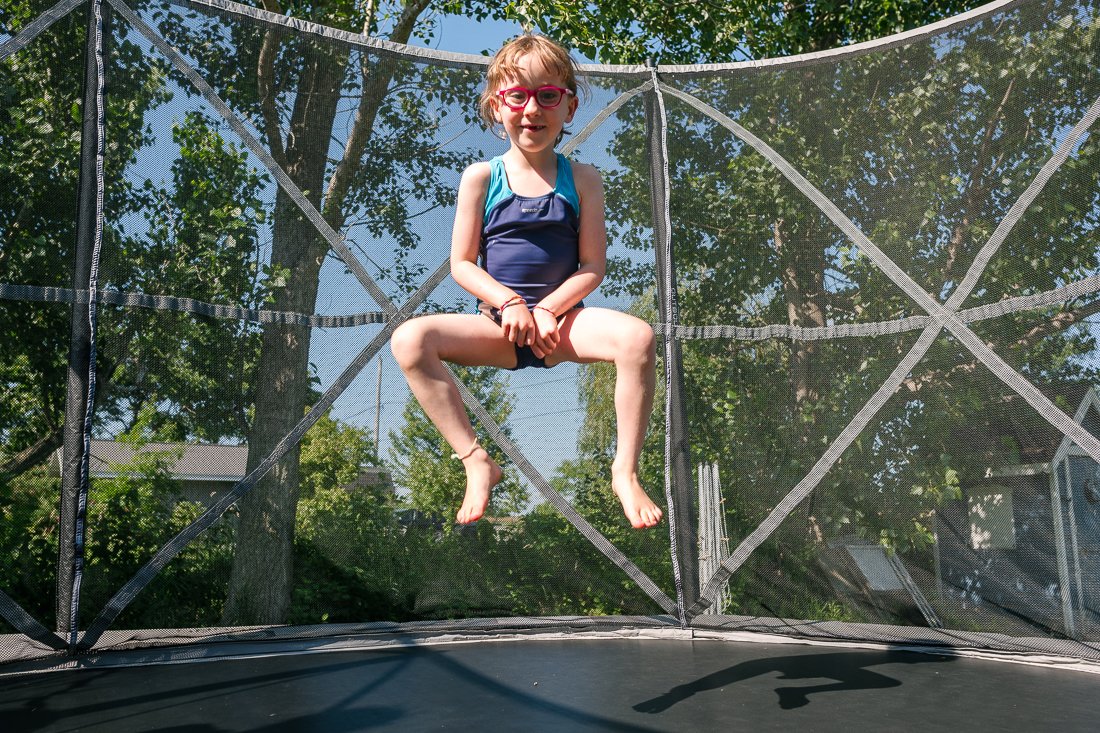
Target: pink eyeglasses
{"points": [[546, 97]]}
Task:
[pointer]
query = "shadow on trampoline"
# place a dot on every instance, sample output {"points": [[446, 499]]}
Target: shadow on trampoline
{"points": [[849, 669], [96, 696]]}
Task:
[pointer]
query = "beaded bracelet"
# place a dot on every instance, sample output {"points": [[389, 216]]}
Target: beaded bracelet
{"points": [[511, 301]]}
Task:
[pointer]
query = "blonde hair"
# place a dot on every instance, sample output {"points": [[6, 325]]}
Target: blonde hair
{"points": [[505, 64]]}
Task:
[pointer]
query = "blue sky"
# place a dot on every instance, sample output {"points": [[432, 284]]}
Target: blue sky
{"points": [[463, 35]]}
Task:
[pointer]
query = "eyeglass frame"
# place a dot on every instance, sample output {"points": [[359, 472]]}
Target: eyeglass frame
{"points": [[534, 94]]}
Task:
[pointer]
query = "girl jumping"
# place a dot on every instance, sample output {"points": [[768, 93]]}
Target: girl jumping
{"points": [[535, 221]]}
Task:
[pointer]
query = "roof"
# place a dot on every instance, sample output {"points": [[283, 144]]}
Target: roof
{"points": [[190, 461], [210, 462]]}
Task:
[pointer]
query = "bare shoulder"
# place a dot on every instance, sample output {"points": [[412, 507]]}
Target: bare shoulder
{"points": [[585, 173], [476, 174], [474, 183], [587, 179]]}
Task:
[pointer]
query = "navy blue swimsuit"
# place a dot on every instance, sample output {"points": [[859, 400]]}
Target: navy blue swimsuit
{"points": [[530, 243]]}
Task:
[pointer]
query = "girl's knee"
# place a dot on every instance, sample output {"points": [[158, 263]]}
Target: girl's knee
{"points": [[408, 344], [639, 342]]}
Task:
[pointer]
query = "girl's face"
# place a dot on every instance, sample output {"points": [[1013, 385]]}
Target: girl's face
{"points": [[533, 128]]}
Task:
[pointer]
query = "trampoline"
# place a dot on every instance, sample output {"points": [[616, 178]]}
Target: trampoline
{"points": [[874, 275], [587, 681]]}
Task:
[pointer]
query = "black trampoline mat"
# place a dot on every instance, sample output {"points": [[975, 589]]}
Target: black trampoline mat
{"points": [[567, 685]]}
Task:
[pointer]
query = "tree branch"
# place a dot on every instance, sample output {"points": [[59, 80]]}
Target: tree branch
{"points": [[265, 83], [975, 187], [405, 24], [1060, 322], [369, 11], [373, 91], [32, 455]]}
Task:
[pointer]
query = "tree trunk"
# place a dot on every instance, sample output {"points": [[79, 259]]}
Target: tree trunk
{"points": [[803, 278], [261, 581]]}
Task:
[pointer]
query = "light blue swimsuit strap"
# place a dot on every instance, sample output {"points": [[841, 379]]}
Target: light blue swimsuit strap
{"points": [[564, 185], [499, 191], [498, 185]]}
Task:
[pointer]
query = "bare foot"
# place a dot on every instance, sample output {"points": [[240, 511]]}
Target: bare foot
{"points": [[638, 507], [482, 474]]}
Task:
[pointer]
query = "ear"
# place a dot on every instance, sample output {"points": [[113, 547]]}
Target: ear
{"points": [[573, 104]]}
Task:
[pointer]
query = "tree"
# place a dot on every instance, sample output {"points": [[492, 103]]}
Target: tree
{"points": [[750, 249], [191, 234]]}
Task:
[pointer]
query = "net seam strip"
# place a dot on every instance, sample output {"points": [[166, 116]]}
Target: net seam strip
{"points": [[904, 38], [809, 482], [188, 305], [1064, 294], [1016, 304], [447, 58], [603, 116], [28, 625], [1031, 394], [633, 70], [662, 231], [1016, 212]]}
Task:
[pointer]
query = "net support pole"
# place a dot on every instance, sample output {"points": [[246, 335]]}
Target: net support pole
{"points": [[680, 491], [80, 338]]}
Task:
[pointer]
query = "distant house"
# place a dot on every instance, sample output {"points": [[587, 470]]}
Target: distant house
{"points": [[204, 471], [1024, 541]]}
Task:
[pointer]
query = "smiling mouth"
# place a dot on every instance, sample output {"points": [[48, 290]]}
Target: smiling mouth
{"points": [[533, 128]]}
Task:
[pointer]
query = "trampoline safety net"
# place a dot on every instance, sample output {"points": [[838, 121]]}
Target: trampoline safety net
{"points": [[873, 274]]}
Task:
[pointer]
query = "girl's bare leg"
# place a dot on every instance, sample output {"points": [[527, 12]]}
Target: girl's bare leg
{"points": [[597, 334], [421, 345]]}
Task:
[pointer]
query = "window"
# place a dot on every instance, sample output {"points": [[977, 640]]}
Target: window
{"points": [[991, 524]]}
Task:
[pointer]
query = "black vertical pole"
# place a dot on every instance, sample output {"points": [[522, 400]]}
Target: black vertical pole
{"points": [[678, 460], [70, 544]]}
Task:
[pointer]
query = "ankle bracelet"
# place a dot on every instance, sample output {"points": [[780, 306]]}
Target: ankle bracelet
{"points": [[468, 453]]}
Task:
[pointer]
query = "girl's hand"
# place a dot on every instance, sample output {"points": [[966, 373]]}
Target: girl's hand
{"points": [[546, 333], [518, 324]]}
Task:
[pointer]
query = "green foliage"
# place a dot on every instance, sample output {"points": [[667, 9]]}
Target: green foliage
{"points": [[347, 558], [40, 118], [685, 32], [333, 454], [28, 540]]}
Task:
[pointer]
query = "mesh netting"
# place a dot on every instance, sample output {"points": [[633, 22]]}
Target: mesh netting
{"points": [[873, 275]]}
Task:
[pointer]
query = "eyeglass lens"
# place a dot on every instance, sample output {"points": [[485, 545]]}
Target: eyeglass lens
{"points": [[544, 97]]}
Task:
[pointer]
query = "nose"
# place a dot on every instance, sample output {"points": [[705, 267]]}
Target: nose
{"points": [[532, 105]]}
